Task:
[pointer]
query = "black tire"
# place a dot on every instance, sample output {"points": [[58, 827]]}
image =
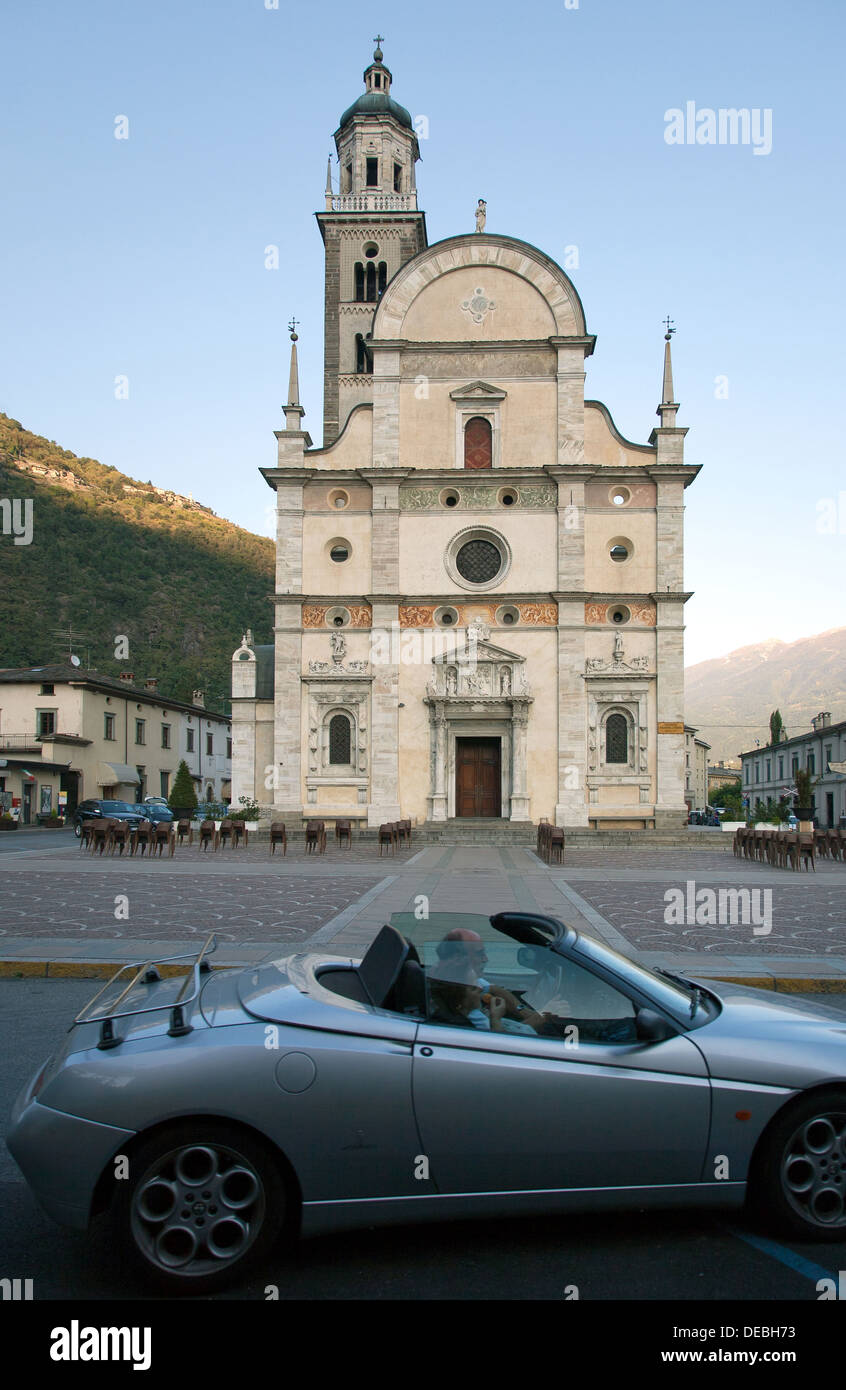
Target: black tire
{"points": [[799, 1179], [77, 829], [202, 1204]]}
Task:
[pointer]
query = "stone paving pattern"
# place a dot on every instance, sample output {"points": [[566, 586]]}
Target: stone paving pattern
{"points": [[249, 899]]}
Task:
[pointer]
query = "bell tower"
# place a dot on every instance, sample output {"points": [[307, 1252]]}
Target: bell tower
{"points": [[370, 227]]}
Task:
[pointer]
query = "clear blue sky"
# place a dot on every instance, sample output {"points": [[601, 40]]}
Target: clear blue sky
{"points": [[145, 256]]}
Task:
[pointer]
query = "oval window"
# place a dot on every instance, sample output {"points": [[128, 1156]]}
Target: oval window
{"points": [[339, 553]]}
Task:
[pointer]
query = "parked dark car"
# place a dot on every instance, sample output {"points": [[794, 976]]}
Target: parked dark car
{"points": [[111, 810], [153, 811]]}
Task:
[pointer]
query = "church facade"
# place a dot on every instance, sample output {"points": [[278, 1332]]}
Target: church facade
{"points": [[479, 591]]}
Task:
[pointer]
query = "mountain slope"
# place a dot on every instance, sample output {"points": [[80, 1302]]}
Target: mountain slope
{"points": [[730, 698], [112, 556]]}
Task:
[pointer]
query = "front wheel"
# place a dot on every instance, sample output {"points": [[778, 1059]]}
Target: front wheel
{"points": [[77, 830], [801, 1177], [202, 1203]]}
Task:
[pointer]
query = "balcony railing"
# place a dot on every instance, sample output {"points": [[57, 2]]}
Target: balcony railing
{"points": [[20, 743], [372, 202]]}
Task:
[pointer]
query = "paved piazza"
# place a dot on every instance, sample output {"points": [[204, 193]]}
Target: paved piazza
{"points": [[69, 899]]}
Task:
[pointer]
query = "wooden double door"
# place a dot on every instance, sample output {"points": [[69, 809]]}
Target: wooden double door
{"points": [[478, 777]]}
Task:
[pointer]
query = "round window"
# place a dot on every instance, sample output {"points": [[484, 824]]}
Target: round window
{"points": [[620, 614], [619, 552], [620, 496], [339, 499], [508, 497], [446, 617], [339, 553], [450, 498], [371, 250], [478, 561], [508, 615]]}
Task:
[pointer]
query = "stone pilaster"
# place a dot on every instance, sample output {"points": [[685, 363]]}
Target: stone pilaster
{"points": [[384, 802], [670, 805], [519, 768], [571, 807], [287, 714], [571, 402], [386, 398]]}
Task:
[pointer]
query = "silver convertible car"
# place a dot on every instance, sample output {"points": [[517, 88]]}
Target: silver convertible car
{"points": [[465, 1066]]}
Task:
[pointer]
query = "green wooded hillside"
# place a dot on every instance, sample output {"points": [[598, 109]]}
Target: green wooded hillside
{"points": [[181, 583]]}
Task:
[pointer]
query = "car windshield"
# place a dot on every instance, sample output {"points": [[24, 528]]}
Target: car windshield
{"points": [[117, 806], [676, 997]]}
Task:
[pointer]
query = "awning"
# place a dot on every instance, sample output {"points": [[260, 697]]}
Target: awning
{"points": [[109, 773]]}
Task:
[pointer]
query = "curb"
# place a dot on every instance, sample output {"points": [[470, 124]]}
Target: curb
{"points": [[103, 970]]}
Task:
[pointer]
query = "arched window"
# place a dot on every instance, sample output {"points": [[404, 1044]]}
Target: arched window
{"points": [[340, 739], [370, 295], [383, 276], [359, 283], [478, 443], [616, 739], [360, 354]]}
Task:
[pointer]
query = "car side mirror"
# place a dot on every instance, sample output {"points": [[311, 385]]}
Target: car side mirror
{"points": [[651, 1027]]}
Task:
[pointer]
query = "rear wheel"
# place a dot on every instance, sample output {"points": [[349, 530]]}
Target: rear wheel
{"points": [[801, 1177], [202, 1204]]}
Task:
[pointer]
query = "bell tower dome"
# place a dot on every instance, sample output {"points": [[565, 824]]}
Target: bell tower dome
{"points": [[370, 227]]}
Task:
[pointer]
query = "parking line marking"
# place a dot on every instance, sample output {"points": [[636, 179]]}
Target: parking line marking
{"points": [[784, 1255]]}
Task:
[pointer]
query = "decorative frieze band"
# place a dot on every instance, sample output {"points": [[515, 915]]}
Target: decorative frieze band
{"points": [[531, 614], [314, 615], [642, 614], [422, 499]]}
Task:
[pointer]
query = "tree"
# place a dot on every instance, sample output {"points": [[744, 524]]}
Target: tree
{"points": [[182, 792], [776, 727]]}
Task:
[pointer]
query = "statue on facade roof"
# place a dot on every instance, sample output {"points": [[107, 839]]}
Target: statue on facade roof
{"points": [[481, 215]]}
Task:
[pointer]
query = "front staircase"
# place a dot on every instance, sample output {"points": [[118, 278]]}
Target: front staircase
{"points": [[470, 830]]}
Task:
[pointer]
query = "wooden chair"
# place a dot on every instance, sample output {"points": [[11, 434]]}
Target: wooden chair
{"points": [[556, 844], [807, 851], [239, 833], [278, 836], [835, 844], [343, 831], [163, 839], [184, 829], [86, 833], [226, 832], [208, 835], [101, 835], [387, 836], [737, 843], [791, 850], [120, 836], [315, 837], [404, 831], [821, 843], [142, 838]]}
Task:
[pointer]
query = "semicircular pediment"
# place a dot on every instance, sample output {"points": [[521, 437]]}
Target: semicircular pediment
{"points": [[484, 287]]}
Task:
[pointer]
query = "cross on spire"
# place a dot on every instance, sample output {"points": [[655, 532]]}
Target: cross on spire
{"points": [[379, 40], [292, 329], [668, 324]]}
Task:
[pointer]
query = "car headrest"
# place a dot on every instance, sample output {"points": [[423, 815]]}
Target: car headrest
{"points": [[382, 963]]}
